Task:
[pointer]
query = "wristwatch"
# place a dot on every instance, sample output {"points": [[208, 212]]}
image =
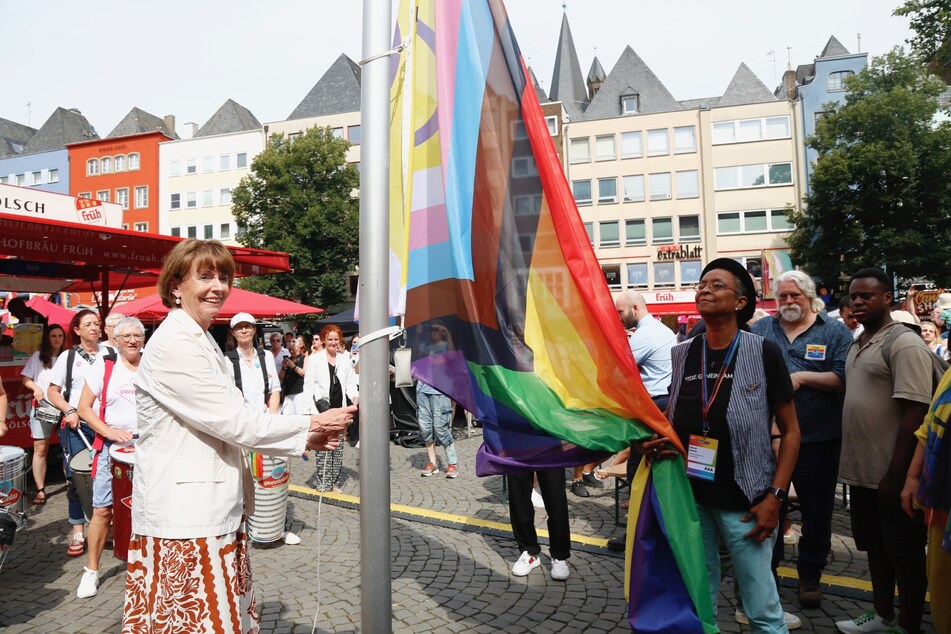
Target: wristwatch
{"points": [[780, 494]]}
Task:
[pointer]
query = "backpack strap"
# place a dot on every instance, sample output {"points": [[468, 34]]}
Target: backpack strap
{"points": [[264, 373], [236, 362], [109, 360], [70, 360]]}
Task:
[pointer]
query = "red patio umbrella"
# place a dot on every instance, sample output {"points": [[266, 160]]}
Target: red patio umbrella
{"points": [[54, 313], [239, 301]]}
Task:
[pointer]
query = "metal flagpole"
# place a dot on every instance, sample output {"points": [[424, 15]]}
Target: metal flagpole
{"points": [[375, 590]]}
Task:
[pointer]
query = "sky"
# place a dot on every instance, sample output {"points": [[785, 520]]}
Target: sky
{"points": [[186, 57]]}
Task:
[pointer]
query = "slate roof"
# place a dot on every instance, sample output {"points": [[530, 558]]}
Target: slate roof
{"points": [[596, 72], [745, 87], [703, 102], [63, 127], [833, 48], [629, 76], [230, 117], [542, 97], [13, 137], [139, 121], [567, 82], [337, 91]]}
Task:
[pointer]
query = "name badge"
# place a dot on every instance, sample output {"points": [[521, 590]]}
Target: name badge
{"points": [[702, 457], [815, 352]]}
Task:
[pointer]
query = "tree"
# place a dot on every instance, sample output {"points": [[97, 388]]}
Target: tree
{"points": [[299, 198], [880, 191], [931, 22]]}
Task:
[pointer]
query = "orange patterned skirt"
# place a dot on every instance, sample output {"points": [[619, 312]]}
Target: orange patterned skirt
{"points": [[175, 586]]}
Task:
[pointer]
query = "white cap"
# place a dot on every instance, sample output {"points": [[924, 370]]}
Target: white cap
{"points": [[241, 318]]}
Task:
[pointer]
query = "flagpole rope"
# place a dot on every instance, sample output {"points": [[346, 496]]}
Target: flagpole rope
{"points": [[392, 51]]}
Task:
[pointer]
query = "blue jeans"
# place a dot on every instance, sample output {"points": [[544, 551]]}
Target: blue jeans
{"points": [[434, 412], [72, 445], [751, 567]]}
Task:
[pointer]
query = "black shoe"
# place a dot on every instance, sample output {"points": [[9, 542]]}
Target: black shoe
{"points": [[618, 544], [810, 595], [578, 488], [592, 481]]}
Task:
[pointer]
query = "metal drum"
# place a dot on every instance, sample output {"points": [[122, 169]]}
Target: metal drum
{"points": [[13, 480], [47, 413], [271, 476], [81, 466], [123, 464]]}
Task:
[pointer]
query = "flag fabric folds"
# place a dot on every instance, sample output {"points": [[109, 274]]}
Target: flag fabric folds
{"points": [[506, 307]]}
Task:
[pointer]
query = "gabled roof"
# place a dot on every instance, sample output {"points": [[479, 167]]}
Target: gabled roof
{"points": [[745, 87], [337, 91], [703, 102], [833, 48], [13, 137], [630, 76], [63, 127], [596, 72], [230, 117], [567, 82], [139, 121], [542, 97]]}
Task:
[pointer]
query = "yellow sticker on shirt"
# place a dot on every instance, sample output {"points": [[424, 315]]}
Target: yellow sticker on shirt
{"points": [[815, 352]]}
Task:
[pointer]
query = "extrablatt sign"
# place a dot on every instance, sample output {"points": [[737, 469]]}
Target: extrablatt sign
{"points": [[36, 203]]}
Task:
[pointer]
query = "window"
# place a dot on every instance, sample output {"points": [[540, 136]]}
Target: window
{"points": [[579, 151], [552, 123], [582, 192], [526, 205], [609, 234], [748, 176], [125, 225], [191, 166], [120, 163], [208, 164], [522, 167], [749, 130], [176, 201], [657, 142], [662, 231], [293, 136], [224, 162], [604, 148], [778, 221], [84, 195], [629, 104], [660, 186], [353, 134], [689, 228], [589, 228], [208, 198], [192, 232], [685, 139], [777, 127], [518, 130], [612, 274], [122, 197], [37, 178], [724, 132], [105, 165], [607, 190], [176, 168], [225, 230], [836, 80], [690, 272], [141, 197], [134, 161], [92, 168], [780, 174], [242, 160], [664, 274], [729, 223], [191, 200], [637, 275], [746, 130], [21, 180], [54, 176], [688, 184], [631, 146], [635, 233], [754, 266], [103, 195], [754, 221], [633, 188], [224, 196], [337, 133], [209, 232], [177, 232], [141, 226]]}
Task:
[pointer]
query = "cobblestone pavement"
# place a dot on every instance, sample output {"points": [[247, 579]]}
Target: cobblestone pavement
{"points": [[446, 576]]}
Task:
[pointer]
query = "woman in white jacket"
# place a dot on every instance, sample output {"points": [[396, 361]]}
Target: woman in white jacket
{"points": [[328, 376]]}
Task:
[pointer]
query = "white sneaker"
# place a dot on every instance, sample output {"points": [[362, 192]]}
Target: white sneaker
{"points": [[537, 500], [792, 621], [868, 622], [89, 584], [559, 569], [291, 539], [525, 564]]}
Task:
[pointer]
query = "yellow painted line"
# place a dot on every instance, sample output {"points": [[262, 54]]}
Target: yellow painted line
{"points": [[452, 518], [832, 580]]}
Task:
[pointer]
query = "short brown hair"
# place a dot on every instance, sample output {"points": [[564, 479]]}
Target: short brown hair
{"points": [[203, 254], [329, 328]]}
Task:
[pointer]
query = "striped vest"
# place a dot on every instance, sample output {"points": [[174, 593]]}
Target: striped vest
{"points": [[748, 413]]}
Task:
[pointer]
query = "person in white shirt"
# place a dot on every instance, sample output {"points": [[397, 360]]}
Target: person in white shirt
{"points": [[279, 353], [36, 378], [190, 476], [114, 421]]}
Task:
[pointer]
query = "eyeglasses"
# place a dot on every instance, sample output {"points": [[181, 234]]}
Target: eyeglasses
{"points": [[715, 286], [131, 337], [243, 326]]}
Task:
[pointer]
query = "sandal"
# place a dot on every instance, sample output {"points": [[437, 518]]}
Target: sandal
{"points": [[40, 500], [77, 547]]}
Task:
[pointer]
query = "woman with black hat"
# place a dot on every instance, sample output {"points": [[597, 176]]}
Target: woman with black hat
{"points": [[726, 387]]}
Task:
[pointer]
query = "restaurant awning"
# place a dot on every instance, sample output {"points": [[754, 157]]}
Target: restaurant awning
{"points": [[239, 301]]}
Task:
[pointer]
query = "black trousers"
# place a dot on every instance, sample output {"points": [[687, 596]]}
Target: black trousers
{"points": [[551, 483]]}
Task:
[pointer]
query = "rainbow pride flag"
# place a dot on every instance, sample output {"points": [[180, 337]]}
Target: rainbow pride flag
{"points": [[506, 307]]}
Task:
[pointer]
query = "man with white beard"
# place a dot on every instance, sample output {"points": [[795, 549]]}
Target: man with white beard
{"points": [[815, 348]]}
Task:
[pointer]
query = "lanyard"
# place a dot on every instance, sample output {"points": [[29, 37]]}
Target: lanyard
{"points": [[708, 401]]}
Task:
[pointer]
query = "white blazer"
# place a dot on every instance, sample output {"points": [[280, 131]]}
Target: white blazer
{"points": [[190, 474], [317, 379]]}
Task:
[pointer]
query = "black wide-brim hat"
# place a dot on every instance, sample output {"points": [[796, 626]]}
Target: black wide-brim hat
{"points": [[749, 289]]}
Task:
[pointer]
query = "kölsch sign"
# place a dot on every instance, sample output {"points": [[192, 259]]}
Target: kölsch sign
{"points": [[36, 203], [679, 252]]}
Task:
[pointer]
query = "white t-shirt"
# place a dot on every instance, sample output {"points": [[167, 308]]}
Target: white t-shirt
{"points": [[120, 397], [252, 380], [34, 370], [80, 369], [279, 356]]}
